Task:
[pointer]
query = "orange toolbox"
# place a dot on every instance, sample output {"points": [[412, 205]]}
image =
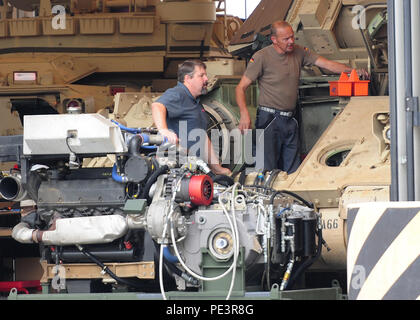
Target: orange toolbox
{"points": [[349, 86]]}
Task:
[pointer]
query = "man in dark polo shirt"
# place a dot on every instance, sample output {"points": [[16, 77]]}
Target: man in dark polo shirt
{"points": [[277, 68], [179, 115]]}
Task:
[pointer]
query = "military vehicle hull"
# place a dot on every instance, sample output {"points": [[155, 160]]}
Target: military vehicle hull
{"points": [[58, 56]]}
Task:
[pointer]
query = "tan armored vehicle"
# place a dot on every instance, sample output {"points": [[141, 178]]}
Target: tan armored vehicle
{"points": [[65, 56]]}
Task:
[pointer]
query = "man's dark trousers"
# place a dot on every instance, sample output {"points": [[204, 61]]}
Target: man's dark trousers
{"points": [[281, 141]]}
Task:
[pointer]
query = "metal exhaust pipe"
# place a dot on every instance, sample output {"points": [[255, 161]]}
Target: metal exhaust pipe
{"points": [[11, 188]]}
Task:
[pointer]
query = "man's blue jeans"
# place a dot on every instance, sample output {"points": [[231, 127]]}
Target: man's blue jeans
{"points": [[281, 142]]}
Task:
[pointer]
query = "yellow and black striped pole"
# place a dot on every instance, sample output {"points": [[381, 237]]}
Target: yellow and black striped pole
{"points": [[383, 254]]}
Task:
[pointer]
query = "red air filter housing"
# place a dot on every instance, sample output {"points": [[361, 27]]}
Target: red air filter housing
{"points": [[200, 190]]}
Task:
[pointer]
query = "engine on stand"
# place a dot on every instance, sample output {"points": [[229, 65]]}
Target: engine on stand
{"points": [[154, 208]]}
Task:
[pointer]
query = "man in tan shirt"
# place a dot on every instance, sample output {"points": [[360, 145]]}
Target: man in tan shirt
{"points": [[277, 68]]}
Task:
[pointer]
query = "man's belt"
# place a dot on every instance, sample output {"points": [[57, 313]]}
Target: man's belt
{"points": [[288, 114]]}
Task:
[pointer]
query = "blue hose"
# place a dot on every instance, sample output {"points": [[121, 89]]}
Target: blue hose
{"points": [[116, 176], [131, 130], [146, 139], [168, 256], [149, 147]]}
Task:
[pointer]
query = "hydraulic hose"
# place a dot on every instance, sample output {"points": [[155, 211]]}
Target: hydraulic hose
{"points": [[222, 179], [273, 196], [156, 164], [106, 269], [307, 262], [272, 177], [307, 203], [175, 270], [152, 180], [122, 127], [150, 147], [171, 267], [168, 256]]}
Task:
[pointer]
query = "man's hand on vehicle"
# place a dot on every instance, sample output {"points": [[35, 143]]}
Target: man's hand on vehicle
{"points": [[171, 136], [219, 170], [363, 74]]}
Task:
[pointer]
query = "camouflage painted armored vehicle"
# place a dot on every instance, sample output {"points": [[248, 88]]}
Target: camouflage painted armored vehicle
{"points": [[65, 56]]}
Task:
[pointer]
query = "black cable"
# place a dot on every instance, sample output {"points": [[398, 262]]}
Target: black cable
{"points": [[290, 193], [242, 177], [273, 196], [276, 192], [307, 203], [271, 178], [68, 146], [172, 267], [71, 151], [106, 269], [222, 179], [152, 180], [263, 278], [155, 162]]}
